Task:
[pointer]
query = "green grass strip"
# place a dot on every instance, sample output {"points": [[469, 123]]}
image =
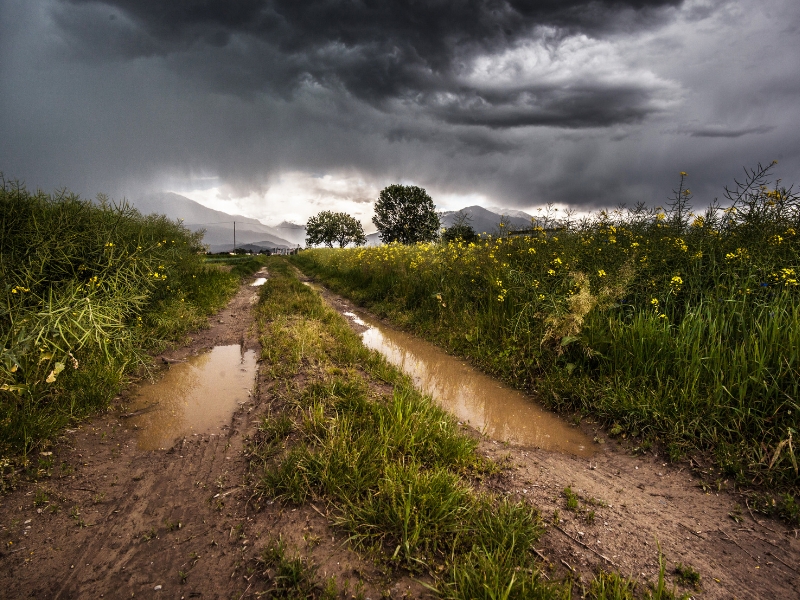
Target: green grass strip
{"points": [[394, 467]]}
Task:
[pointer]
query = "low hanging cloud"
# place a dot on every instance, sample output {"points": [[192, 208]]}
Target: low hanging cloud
{"points": [[721, 131]]}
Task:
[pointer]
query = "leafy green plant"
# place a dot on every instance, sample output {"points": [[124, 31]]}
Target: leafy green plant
{"points": [[41, 498], [572, 499], [460, 230], [687, 575], [292, 576], [405, 214], [611, 586]]}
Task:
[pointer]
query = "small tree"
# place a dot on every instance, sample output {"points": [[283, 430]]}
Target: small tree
{"points": [[461, 229], [406, 214], [328, 227]]}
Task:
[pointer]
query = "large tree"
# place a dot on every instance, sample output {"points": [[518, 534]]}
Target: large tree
{"points": [[328, 227], [406, 214]]}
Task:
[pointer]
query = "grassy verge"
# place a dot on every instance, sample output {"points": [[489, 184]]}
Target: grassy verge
{"points": [[400, 479], [88, 288], [241, 265], [668, 325]]}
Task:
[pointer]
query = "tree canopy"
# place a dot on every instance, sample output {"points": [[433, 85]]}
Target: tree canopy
{"points": [[328, 227], [405, 214], [461, 229]]}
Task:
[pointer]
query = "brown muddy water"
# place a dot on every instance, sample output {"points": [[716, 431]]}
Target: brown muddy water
{"points": [[495, 409], [193, 397]]}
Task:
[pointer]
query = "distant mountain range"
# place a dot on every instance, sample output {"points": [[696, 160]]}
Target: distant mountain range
{"points": [[482, 220], [252, 234], [219, 225], [485, 220]]}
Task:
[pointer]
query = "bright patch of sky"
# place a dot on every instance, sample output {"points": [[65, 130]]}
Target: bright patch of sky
{"points": [[296, 196]]}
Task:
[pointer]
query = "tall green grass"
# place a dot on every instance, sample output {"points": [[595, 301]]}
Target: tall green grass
{"points": [[393, 467], [397, 476], [666, 323], [87, 289]]}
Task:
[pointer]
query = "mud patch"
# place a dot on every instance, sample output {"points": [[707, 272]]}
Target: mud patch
{"points": [[192, 397], [484, 403]]}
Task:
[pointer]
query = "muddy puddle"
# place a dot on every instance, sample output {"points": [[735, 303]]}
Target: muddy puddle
{"points": [[196, 396], [499, 411], [259, 281]]}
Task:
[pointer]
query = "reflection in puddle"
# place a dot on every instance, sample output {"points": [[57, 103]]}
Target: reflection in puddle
{"points": [[259, 281], [193, 397], [355, 318], [491, 407]]}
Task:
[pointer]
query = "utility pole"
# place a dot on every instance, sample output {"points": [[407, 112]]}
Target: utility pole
{"points": [[234, 237]]}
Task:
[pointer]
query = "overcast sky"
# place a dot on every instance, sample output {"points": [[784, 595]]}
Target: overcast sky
{"points": [[281, 108]]}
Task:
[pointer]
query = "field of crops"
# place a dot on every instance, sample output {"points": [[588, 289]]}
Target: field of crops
{"points": [[670, 325], [88, 288]]}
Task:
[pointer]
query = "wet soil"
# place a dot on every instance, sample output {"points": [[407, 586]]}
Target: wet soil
{"points": [[485, 404], [629, 504], [113, 520]]}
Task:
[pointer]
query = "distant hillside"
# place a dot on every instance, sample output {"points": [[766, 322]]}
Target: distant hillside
{"points": [[511, 212], [293, 232], [217, 224], [221, 240], [176, 206], [254, 247], [483, 220]]}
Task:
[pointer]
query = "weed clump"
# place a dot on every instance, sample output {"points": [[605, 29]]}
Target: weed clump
{"points": [[686, 575], [292, 576]]}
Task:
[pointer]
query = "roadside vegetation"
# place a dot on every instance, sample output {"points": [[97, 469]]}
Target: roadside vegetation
{"points": [[399, 478], [670, 325], [89, 289]]}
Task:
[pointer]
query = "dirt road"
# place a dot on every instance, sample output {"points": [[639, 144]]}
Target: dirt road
{"points": [[110, 520]]}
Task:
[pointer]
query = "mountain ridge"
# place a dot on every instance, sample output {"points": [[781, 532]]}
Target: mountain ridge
{"points": [[218, 225]]}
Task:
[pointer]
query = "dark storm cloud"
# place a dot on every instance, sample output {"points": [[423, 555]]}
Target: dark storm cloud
{"points": [[724, 132], [380, 52], [588, 104], [550, 106]]}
